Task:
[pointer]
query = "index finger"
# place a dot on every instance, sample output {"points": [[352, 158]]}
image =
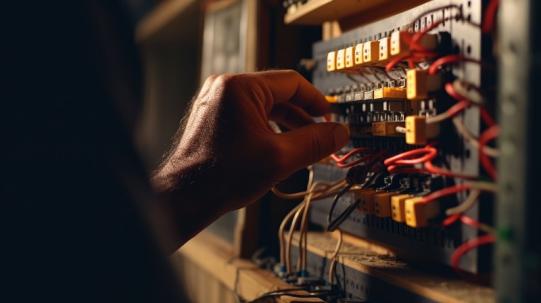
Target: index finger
{"points": [[290, 86]]}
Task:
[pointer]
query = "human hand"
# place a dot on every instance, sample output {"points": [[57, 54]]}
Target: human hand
{"points": [[229, 156]]}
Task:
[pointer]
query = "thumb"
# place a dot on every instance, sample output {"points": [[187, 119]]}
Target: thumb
{"points": [[309, 144]]}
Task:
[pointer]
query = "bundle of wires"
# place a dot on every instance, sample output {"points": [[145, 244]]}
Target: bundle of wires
{"points": [[315, 191]]}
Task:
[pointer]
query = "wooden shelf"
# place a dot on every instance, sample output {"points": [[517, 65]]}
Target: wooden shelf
{"points": [[212, 255], [378, 262], [168, 18], [315, 12]]}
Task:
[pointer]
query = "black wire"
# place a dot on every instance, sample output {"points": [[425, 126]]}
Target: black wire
{"points": [[333, 206]]}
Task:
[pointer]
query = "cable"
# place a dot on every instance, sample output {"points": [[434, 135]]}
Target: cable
{"points": [[290, 237], [281, 232], [450, 113], [468, 246], [330, 223], [351, 153], [435, 66], [467, 91], [468, 221], [334, 257], [466, 205], [479, 185], [488, 135], [471, 139], [490, 16]]}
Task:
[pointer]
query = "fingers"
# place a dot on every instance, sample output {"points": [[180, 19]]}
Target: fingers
{"points": [[290, 116], [309, 144], [290, 86]]}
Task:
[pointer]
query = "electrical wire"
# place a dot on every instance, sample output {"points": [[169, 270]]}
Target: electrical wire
{"points": [[488, 135], [334, 257], [450, 113], [468, 221], [490, 16], [450, 59], [471, 139], [468, 246], [466, 204], [290, 237], [466, 90]]}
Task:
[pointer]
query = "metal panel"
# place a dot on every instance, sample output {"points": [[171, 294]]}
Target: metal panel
{"points": [[518, 247], [465, 37]]}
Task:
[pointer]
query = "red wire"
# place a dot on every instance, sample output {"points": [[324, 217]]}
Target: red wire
{"points": [[487, 118], [490, 15], [451, 219], [395, 61], [445, 192], [348, 155], [450, 90], [444, 172], [468, 246], [408, 154], [463, 218], [434, 67], [458, 108], [489, 134]]}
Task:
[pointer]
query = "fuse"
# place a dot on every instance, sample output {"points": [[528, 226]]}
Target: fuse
{"points": [[367, 200], [331, 61], [418, 132], [384, 49], [397, 207], [386, 128], [370, 52], [382, 204], [331, 99], [419, 84], [349, 57], [418, 213], [398, 93], [358, 56], [340, 59]]}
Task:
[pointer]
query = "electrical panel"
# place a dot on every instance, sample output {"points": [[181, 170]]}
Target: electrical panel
{"points": [[416, 91], [387, 111]]}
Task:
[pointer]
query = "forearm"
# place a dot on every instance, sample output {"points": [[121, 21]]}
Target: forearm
{"points": [[189, 196]]}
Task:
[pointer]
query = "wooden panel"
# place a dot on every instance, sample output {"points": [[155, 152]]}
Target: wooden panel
{"points": [[315, 12], [382, 264]]}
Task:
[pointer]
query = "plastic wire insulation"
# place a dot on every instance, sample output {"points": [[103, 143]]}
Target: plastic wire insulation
{"points": [[468, 246], [488, 135]]}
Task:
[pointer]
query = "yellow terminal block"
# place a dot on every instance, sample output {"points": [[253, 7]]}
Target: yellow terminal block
{"points": [[384, 48], [367, 200], [358, 55], [386, 129], [419, 84], [397, 207], [331, 61], [399, 46], [419, 213], [418, 132], [396, 93], [382, 204], [370, 52], [349, 57], [331, 99], [340, 59]]}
